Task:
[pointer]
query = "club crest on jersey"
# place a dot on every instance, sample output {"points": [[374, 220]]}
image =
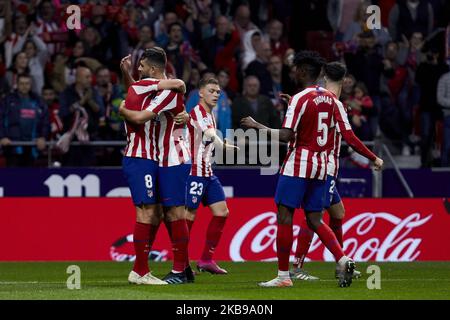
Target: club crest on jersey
{"points": [[194, 199], [150, 193]]}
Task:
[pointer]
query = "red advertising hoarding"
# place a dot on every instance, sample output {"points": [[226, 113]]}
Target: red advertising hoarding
{"points": [[61, 229]]}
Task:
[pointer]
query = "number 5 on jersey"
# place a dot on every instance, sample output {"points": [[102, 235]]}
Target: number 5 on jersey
{"points": [[322, 128]]}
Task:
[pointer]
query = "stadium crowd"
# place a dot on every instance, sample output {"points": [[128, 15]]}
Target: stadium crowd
{"points": [[64, 85]]}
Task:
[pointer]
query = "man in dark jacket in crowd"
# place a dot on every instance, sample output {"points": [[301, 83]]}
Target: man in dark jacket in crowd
{"points": [[23, 117]]}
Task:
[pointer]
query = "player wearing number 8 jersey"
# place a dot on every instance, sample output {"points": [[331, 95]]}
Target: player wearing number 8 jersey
{"points": [[202, 185], [142, 156]]}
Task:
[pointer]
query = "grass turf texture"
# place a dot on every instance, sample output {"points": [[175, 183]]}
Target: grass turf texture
{"points": [[108, 280]]}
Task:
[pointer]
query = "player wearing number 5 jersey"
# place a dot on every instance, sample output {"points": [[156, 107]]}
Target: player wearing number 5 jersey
{"points": [[334, 73], [202, 185], [302, 177]]}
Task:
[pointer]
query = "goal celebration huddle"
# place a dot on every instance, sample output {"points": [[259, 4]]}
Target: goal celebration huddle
{"points": [[167, 164]]}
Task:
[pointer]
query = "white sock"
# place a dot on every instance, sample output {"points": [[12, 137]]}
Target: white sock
{"points": [[173, 271], [283, 274]]}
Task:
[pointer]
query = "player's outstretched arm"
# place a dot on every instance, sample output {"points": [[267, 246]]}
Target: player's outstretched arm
{"points": [[344, 127], [284, 134], [172, 84], [211, 134], [136, 117]]}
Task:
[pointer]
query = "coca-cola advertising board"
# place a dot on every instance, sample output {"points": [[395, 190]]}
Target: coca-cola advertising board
{"points": [[100, 229]]}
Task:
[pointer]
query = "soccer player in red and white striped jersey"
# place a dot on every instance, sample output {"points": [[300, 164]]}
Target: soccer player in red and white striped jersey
{"points": [[302, 177], [169, 147], [202, 185], [334, 73], [141, 160]]}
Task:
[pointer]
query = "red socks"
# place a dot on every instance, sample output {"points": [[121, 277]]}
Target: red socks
{"points": [[304, 239], [336, 226], [180, 239], [329, 240], [190, 223], [213, 234], [141, 241], [284, 246]]}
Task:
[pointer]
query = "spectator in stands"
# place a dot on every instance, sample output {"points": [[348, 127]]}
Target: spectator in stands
{"points": [[360, 104], [19, 66], [48, 28], [112, 96], [251, 41], [149, 11], [275, 68], [253, 104], [277, 43], [179, 52], [443, 98], [242, 20], [145, 36], [162, 28], [258, 68], [23, 117], [427, 77], [51, 100], [37, 55], [409, 16], [358, 26], [81, 101], [14, 44], [5, 20], [65, 66], [223, 77]]}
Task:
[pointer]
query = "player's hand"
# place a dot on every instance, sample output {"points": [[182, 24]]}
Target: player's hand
{"points": [[248, 122], [40, 143], [229, 145], [122, 108], [285, 97], [378, 164], [125, 63], [5, 142], [182, 118]]}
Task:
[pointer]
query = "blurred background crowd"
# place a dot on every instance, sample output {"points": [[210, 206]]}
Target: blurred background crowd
{"points": [[65, 85]]}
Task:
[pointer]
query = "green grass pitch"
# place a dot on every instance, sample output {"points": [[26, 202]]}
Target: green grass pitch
{"points": [[108, 280]]}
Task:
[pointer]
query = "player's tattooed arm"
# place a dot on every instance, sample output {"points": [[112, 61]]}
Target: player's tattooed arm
{"points": [[182, 118], [136, 117], [284, 134], [172, 84]]}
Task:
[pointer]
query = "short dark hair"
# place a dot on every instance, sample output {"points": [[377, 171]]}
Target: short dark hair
{"points": [[207, 80], [23, 75], [310, 61], [169, 29], [335, 71], [155, 56]]}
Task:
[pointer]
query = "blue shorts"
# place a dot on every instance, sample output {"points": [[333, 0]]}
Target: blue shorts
{"points": [[172, 184], [331, 195], [206, 190], [141, 175], [294, 192]]}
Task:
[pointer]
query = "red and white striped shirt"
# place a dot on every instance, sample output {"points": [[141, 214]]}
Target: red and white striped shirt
{"points": [[341, 128], [201, 147], [309, 115], [140, 142], [169, 145], [336, 138]]}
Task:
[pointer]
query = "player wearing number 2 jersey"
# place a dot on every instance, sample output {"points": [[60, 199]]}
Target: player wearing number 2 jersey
{"points": [[334, 73], [303, 175]]}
